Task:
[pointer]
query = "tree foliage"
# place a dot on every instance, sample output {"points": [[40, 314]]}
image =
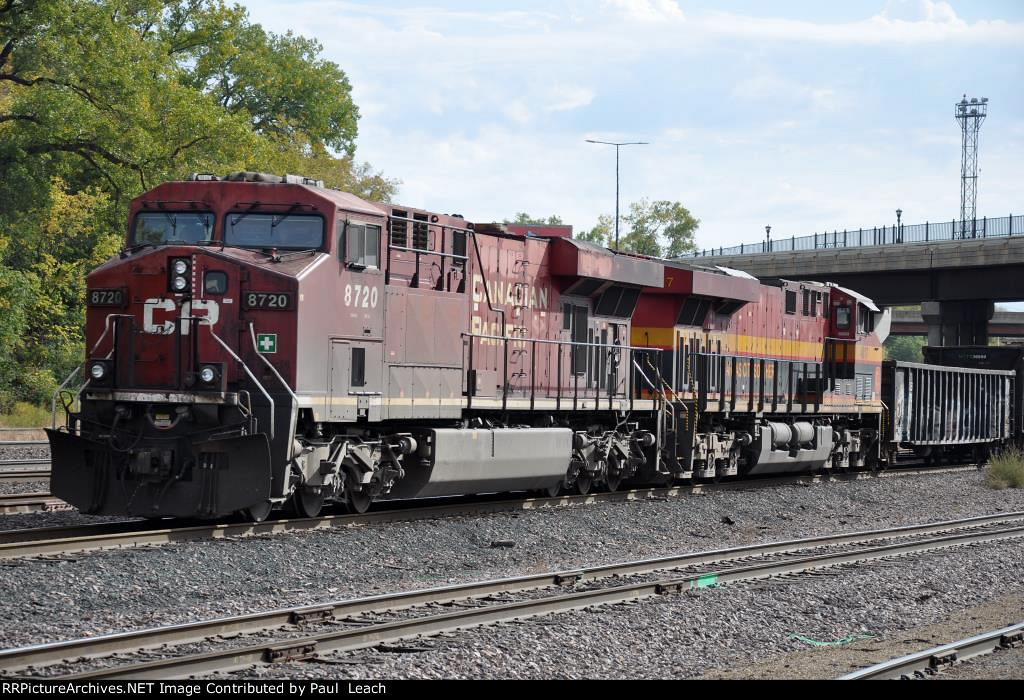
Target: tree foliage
{"points": [[906, 348], [660, 228], [101, 100], [524, 219]]}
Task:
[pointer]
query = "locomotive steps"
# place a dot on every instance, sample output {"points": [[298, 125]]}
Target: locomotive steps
{"points": [[56, 541], [304, 632]]}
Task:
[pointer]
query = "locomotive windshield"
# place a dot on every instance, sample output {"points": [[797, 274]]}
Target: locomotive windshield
{"points": [[188, 227], [288, 231]]}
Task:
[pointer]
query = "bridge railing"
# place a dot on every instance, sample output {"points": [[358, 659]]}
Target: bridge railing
{"points": [[955, 230]]}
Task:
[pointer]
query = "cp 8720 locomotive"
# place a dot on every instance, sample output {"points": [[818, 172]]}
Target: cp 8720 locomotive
{"points": [[263, 341]]}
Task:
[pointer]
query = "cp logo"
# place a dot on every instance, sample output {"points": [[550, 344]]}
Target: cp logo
{"points": [[207, 309]]}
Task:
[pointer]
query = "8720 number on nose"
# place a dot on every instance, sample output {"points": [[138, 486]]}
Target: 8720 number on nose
{"points": [[277, 301]]}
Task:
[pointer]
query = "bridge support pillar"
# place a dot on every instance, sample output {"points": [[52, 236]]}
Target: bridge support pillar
{"points": [[957, 322]]}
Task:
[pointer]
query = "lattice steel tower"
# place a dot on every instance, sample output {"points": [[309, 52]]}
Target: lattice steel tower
{"points": [[970, 113]]}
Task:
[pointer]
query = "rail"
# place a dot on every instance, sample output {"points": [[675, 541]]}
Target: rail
{"points": [[598, 372], [474, 603], [928, 232], [937, 658]]}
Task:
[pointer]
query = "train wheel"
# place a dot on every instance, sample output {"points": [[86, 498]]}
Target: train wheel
{"points": [[259, 512], [584, 484], [613, 473], [358, 501], [307, 503], [553, 491]]}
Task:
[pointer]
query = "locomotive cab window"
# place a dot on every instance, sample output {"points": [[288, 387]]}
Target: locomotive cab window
{"points": [[361, 244], [215, 282], [181, 227], [865, 320], [790, 302], [843, 318], [285, 231]]}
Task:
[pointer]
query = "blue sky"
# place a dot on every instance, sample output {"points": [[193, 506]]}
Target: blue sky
{"points": [[804, 115]]}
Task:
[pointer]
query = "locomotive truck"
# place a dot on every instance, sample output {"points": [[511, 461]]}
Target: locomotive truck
{"points": [[262, 341]]}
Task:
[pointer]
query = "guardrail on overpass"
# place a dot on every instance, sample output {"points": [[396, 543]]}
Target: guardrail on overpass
{"points": [[954, 230]]}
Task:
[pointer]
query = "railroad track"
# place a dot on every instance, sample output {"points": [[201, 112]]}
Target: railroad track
{"points": [[303, 632], [936, 659], [30, 503], [23, 476], [23, 443], [22, 463], [73, 539]]}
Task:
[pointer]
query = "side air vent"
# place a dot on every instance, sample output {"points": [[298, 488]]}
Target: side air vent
{"points": [[399, 230], [420, 232], [694, 311]]}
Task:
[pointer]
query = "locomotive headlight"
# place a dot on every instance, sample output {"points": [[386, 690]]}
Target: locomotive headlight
{"points": [[98, 371], [179, 275], [207, 375]]}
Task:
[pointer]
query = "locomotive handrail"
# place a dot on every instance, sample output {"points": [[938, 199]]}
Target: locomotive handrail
{"points": [[53, 399], [547, 341], [206, 322], [423, 251], [252, 333], [612, 349], [430, 223]]}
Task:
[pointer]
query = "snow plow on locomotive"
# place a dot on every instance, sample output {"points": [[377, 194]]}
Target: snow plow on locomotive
{"points": [[262, 341]]}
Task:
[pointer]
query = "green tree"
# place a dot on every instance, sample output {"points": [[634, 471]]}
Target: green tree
{"points": [[660, 228], [103, 99], [906, 348], [600, 234], [524, 219]]}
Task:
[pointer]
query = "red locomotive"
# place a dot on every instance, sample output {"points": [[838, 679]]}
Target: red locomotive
{"points": [[263, 341]]}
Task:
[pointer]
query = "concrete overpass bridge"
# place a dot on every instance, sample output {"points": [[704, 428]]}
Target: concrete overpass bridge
{"points": [[1003, 324], [955, 270]]}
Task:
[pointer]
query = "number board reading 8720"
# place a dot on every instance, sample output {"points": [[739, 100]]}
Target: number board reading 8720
{"points": [[271, 301]]}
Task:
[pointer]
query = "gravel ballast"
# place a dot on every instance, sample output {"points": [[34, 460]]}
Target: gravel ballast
{"points": [[11, 452], [94, 593], [687, 635], [11, 489]]}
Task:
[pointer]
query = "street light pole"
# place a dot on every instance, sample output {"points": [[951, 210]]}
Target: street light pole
{"points": [[617, 146], [899, 226], [768, 237]]}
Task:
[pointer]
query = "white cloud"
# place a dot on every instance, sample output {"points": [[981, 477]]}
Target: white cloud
{"points": [[646, 10], [517, 111], [485, 112], [767, 88], [566, 98], [920, 10], [901, 22]]}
